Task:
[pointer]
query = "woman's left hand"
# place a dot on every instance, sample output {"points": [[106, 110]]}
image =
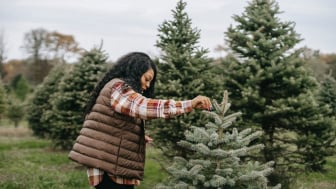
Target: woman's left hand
{"points": [[148, 139]]}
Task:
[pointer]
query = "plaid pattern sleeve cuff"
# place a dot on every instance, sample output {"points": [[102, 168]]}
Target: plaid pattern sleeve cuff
{"points": [[187, 106]]}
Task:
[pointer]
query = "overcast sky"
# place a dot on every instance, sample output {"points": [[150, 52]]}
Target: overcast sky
{"points": [[131, 25]]}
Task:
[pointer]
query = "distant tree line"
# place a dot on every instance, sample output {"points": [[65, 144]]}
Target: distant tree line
{"points": [[19, 78]]}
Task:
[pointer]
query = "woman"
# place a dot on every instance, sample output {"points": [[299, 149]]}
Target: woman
{"points": [[112, 141]]}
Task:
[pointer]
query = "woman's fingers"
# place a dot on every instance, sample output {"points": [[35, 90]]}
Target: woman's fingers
{"points": [[206, 103], [202, 102], [148, 139]]}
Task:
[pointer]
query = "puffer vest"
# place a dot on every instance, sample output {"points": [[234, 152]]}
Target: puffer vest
{"points": [[111, 141]]}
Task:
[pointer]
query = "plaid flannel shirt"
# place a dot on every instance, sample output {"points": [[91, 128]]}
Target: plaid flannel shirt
{"points": [[126, 101]]}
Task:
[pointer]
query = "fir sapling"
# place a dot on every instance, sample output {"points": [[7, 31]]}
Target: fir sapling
{"points": [[220, 156]]}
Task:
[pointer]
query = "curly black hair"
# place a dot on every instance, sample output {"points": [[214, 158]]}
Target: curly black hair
{"points": [[128, 68]]}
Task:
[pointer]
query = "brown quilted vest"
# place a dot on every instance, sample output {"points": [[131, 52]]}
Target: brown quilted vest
{"points": [[111, 141]]}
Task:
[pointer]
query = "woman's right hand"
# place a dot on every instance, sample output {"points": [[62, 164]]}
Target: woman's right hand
{"points": [[201, 102]]}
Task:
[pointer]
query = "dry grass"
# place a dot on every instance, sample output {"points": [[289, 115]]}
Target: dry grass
{"points": [[18, 132]]}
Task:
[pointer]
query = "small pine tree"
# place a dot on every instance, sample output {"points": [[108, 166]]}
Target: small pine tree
{"points": [[39, 114], [221, 156], [68, 104], [184, 73]]}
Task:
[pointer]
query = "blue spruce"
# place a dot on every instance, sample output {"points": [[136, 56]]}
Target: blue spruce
{"points": [[221, 156]]}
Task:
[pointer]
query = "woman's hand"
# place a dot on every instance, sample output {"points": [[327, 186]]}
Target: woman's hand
{"points": [[201, 102], [148, 139]]}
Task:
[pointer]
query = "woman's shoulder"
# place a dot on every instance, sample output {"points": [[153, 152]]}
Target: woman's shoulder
{"points": [[117, 83], [116, 80]]}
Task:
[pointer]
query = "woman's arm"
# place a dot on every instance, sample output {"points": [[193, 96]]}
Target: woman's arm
{"points": [[126, 101]]}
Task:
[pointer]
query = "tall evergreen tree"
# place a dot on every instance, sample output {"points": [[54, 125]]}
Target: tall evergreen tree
{"points": [[39, 112], [221, 158], [69, 103], [274, 92], [183, 74]]}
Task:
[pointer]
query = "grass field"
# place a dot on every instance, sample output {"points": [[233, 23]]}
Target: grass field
{"points": [[323, 180], [29, 163]]}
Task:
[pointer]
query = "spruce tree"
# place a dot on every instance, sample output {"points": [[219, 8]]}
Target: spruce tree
{"points": [[328, 92], [327, 96], [275, 93], [39, 110], [221, 156], [68, 104], [184, 73]]}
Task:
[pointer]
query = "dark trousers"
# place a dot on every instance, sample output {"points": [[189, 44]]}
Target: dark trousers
{"points": [[107, 183]]}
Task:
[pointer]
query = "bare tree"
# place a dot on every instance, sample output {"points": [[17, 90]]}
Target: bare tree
{"points": [[62, 46], [42, 44], [35, 43]]}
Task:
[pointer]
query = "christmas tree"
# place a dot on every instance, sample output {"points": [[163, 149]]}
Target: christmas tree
{"points": [[221, 156], [39, 107], [274, 91], [328, 92], [68, 104], [184, 73], [327, 96]]}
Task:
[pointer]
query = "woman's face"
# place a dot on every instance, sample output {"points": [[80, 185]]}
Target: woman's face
{"points": [[146, 79]]}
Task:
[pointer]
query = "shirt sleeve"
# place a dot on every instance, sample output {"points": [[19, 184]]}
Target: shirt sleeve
{"points": [[126, 101]]}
